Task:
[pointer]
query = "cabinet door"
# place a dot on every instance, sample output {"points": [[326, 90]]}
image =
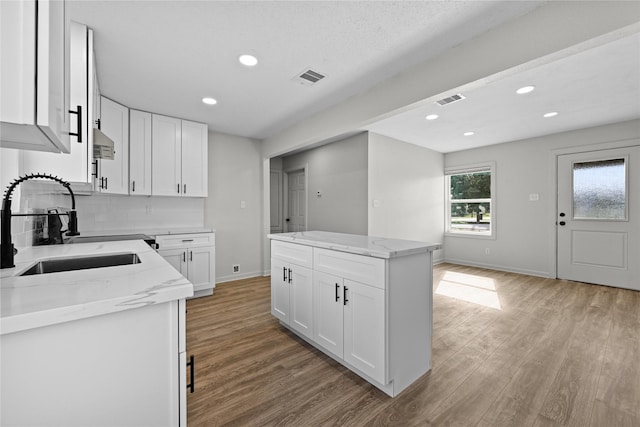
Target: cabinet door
{"points": [[166, 146], [177, 258], [74, 167], [200, 267], [194, 159], [364, 329], [301, 300], [114, 174], [280, 290], [34, 75], [139, 153], [328, 312]]}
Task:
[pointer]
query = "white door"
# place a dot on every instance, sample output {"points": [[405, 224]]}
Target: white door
{"points": [[166, 154], [114, 122], [194, 159], [175, 257], [599, 217], [296, 214], [200, 266], [280, 290], [301, 301], [139, 153], [328, 312], [364, 329]]}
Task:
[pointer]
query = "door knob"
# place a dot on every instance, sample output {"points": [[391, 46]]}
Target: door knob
{"points": [[562, 223]]}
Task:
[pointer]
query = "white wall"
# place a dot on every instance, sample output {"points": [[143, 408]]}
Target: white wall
{"points": [[407, 184], [234, 176], [525, 230], [551, 31], [339, 171]]}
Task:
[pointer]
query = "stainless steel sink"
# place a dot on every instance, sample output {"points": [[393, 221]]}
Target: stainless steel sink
{"points": [[56, 265]]}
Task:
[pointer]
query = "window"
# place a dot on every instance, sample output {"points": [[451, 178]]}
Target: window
{"points": [[599, 190], [470, 200]]}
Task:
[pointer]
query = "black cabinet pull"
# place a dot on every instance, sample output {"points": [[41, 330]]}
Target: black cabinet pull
{"points": [[133, 187], [289, 275], [337, 292], [184, 189], [190, 255], [178, 188], [184, 257], [345, 300], [192, 371], [95, 165], [78, 114], [284, 274], [106, 182]]}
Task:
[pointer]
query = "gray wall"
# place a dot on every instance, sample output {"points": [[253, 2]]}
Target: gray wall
{"points": [[235, 176], [525, 230], [339, 171], [406, 191]]}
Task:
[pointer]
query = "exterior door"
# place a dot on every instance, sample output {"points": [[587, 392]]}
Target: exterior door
{"points": [[296, 219], [598, 230]]}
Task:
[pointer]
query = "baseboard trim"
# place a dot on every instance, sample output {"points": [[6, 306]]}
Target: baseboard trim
{"points": [[527, 272], [234, 277]]}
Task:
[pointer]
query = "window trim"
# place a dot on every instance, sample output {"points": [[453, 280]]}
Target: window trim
{"points": [[465, 169]]}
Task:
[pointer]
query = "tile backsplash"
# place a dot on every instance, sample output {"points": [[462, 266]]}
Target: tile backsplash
{"points": [[103, 212]]}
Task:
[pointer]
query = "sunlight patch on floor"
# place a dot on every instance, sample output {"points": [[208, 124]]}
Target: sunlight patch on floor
{"points": [[468, 287]]}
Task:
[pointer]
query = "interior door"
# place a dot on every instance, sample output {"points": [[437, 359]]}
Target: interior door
{"points": [[297, 219], [598, 230]]}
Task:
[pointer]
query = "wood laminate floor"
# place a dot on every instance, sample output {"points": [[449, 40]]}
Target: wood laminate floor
{"points": [[508, 350]]}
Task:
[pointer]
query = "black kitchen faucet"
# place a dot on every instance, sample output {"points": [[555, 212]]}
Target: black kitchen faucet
{"points": [[7, 251]]}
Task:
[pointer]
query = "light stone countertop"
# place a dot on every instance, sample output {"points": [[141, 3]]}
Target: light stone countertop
{"points": [[377, 247], [28, 302], [148, 231]]}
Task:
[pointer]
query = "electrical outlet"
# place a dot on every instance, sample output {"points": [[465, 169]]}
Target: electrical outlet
{"points": [[236, 268], [487, 251]]}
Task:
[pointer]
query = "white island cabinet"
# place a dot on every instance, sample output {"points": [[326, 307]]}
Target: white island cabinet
{"points": [[93, 347], [369, 305]]}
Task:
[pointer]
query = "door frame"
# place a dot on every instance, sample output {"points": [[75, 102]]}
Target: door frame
{"points": [[552, 217], [285, 195]]}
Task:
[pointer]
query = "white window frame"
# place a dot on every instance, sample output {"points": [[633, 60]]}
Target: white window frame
{"points": [[466, 169]]}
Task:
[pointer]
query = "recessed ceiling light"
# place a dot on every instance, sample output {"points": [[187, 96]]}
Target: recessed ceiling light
{"points": [[432, 117], [551, 114], [209, 101], [468, 133], [248, 60], [525, 89]]}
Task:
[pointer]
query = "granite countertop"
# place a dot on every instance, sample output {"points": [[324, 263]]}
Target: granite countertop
{"points": [[378, 247], [28, 302]]}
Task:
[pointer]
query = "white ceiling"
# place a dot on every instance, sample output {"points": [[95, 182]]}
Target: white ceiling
{"points": [[164, 56]]}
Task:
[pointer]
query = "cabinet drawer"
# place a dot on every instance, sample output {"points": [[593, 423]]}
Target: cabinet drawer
{"points": [[185, 240], [290, 252], [359, 268]]}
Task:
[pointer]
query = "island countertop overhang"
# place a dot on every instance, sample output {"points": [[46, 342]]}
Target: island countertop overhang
{"points": [[378, 247]]}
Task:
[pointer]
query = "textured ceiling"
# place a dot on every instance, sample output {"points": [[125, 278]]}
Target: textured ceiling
{"points": [[164, 56]]}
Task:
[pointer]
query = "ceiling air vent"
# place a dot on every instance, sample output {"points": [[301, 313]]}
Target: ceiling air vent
{"points": [[451, 99], [308, 77]]}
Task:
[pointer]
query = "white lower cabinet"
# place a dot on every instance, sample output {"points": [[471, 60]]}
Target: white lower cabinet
{"points": [[118, 369], [193, 255], [371, 314]]}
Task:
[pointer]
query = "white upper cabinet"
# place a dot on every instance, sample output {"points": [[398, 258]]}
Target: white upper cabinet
{"points": [[194, 159], [113, 175], [34, 39], [74, 167], [139, 153], [179, 157]]}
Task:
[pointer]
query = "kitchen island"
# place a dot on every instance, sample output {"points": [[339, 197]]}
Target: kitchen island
{"points": [[97, 346], [364, 301]]}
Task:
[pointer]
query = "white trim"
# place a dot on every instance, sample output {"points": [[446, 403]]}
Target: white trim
{"points": [[234, 277], [490, 167], [525, 271]]}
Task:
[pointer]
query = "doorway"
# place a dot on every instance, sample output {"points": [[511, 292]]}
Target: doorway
{"points": [[598, 217], [296, 193]]}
